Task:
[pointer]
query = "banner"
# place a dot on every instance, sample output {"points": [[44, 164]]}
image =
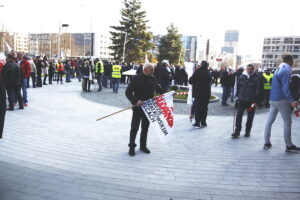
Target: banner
{"points": [[159, 111]]}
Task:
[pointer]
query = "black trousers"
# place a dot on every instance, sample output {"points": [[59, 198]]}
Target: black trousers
{"points": [[39, 79], [242, 106], [2, 109], [59, 77], [17, 91], [32, 75], [86, 84], [200, 107], [51, 77], [267, 97], [138, 115]]}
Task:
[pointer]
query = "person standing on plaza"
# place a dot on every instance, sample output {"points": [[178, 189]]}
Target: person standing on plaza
{"points": [[45, 70], [51, 71], [141, 88], [267, 87], [12, 74], [201, 93], [87, 76], [226, 85], [281, 100], [107, 73], [248, 89], [32, 72], [99, 70], [60, 71], [164, 75], [39, 69], [25, 74], [116, 76]]}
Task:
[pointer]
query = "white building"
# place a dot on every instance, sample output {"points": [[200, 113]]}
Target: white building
{"points": [[21, 42], [274, 47], [101, 43]]}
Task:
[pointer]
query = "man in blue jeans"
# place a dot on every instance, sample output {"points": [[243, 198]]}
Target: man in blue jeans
{"points": [[281, 100]]}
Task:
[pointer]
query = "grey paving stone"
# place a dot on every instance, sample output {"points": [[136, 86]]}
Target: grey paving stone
{"points": [[74, 157]]}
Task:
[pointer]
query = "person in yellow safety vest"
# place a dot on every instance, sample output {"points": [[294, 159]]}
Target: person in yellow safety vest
{"points": [[116, 76], [99, 72], [267, 87], [60, 71]]}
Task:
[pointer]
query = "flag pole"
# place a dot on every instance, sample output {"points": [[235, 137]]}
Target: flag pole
{"points": [[114, 113]]}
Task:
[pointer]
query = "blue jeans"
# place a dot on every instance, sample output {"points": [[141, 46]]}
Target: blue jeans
{"points": [[226, 94], [24, 90], [115, 84], [105, 80]]}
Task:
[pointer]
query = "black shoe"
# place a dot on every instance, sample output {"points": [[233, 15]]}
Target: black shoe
{"points": [[45, 84], [247, 134], [196, 125], [224, 104], [21, 107], [203, 124], [10, 109], [292, 148], [267, 146], [145, 150], [235, 135], [131, 152]]}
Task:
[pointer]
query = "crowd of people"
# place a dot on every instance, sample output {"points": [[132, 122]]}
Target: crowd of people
{"points": [[278, 90], [248, 88]]}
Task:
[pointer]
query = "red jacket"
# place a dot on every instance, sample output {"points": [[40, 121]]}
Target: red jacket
{"points": [[25, 67]]}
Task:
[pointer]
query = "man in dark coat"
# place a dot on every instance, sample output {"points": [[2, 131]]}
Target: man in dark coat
{"points": [[200, 81], [164, 75], [248, 91], [141, 88], [226, 82], [12, 73]]}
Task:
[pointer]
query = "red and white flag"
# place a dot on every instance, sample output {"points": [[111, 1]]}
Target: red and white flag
{"points": [[159, 111]]}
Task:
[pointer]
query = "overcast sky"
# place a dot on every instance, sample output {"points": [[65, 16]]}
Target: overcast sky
{"points": [[255, 19]]}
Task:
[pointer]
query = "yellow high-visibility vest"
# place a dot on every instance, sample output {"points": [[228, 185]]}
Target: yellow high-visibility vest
{"points": [[116, 71], [267, 85], [99, 67]]}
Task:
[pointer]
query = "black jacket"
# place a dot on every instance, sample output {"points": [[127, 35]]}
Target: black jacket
{"points": [[248, 89], [200, 81], [142, 87], [226, 79], [164, 75], [12, 74]]}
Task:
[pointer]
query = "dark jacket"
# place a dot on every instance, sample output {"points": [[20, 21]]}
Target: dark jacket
{"points": [[12, 74], [225, 79], [164, 75], [248, 89], [142, 87], [86, 71], [39, 65], [295, 86], [200, 81], [107, 69]]}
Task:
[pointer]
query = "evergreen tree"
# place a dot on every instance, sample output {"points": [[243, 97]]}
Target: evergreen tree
{"points": [[171, 47], [134, 30]]}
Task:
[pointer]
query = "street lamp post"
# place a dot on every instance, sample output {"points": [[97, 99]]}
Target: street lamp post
{"points": [[58, 45], [124, 46]]}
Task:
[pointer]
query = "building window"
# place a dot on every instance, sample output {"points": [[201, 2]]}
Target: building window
{"points": [[297, 40], [295, 56], [267, 41], [296, 48], [269, 56], [288, 40]]}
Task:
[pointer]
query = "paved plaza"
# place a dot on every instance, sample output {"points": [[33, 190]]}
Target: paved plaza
{"points": [[55, 150]]}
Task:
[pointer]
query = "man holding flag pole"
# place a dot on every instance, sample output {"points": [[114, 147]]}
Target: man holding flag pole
{"points": [[141, 88]]}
